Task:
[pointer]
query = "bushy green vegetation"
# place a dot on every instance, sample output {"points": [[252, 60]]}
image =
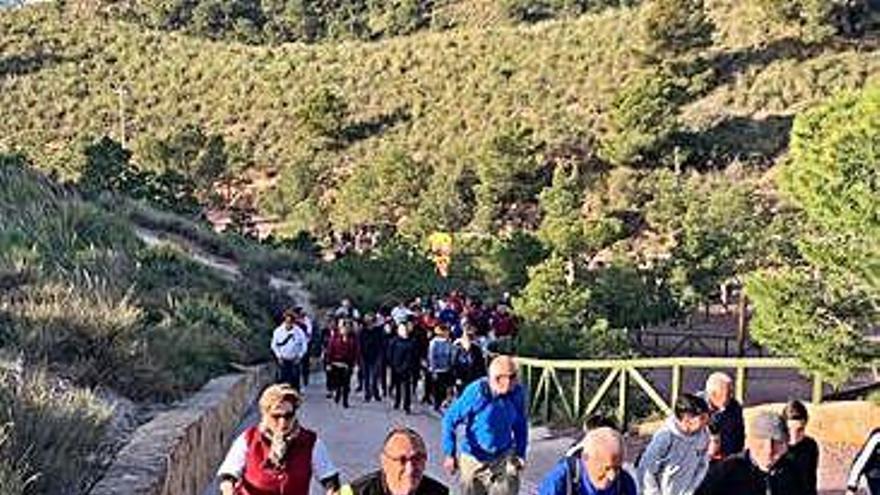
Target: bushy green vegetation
{"points": [[278, 21], [820, 304], [624, 148], [49, 434], [441, 98], [84, 295]]}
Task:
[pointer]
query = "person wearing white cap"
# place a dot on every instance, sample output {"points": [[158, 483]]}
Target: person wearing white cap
{"points": [[763, 469]]}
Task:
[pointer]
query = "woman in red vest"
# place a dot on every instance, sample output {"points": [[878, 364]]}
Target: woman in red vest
{"points": [[277, 456], [342, 356]]}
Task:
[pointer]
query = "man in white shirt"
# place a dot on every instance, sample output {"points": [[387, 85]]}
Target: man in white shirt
{"points": [[289, 346]]}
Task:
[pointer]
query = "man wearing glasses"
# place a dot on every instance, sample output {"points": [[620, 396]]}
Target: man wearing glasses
{"points": [[492, 453], [403, 462]]}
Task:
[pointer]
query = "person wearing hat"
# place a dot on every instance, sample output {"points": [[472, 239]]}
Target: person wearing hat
{"points": [[403, 460], [676, 459], [277, 456], [802, 450], [596, 469], [763, 469]]}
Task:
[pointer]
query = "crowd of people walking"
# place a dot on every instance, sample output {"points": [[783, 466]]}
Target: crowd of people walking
{"points": [[447, 345]]}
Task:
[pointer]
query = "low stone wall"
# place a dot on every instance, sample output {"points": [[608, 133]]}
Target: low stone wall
{"points": [[177, 452]]}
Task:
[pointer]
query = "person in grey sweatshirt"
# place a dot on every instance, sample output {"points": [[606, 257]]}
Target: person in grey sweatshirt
{"points": [[676, 459]]}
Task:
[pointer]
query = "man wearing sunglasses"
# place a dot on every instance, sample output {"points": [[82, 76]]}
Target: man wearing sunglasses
{"points": [[403, 461], [277, 456], [493, 413]]}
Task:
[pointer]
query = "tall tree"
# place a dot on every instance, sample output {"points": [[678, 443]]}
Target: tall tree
{"points": [[820, 309]]}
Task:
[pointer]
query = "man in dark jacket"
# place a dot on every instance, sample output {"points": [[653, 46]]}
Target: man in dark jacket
{"points": [[725, 418], [372, 344], [403, 359], [403, 459], [763, 469]]}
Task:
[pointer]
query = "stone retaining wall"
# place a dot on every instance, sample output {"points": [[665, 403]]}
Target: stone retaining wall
{"points": [[177, 452]]}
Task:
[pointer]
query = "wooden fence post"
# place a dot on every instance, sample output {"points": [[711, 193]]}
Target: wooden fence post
{"points": [[577, 393], [621, 398], [675, 389], [740, 383]]}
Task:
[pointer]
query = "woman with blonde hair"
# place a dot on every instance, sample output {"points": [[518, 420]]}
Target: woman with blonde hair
{"points": [[277, 456]]}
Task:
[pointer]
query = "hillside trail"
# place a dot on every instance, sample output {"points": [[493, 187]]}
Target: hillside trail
{"points": [[354, 436]]}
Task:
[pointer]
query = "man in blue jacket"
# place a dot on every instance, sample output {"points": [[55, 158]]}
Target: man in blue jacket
{"points": [[492, 453]]}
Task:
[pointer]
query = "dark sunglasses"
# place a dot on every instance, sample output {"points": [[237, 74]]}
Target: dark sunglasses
{"points": [[288, 416]]}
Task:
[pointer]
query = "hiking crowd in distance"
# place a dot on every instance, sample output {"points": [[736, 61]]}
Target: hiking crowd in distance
{"points": [[449, 346]]}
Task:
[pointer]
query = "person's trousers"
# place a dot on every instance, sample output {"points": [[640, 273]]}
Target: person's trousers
{"points": [[441, 382], [497, 477], [401, 386], [288, 372], [427, 394], [305, 369], [874, 485], [372, 378], [383, 378], [341, 378]]}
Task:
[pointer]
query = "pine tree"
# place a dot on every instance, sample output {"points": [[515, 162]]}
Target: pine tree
{"points": [[821, 309]]}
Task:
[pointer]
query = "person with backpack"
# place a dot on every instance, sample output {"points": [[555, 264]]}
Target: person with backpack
{"points": [[598, 470], [676, 459], [492, 413], [440, 365], [289, 346]]}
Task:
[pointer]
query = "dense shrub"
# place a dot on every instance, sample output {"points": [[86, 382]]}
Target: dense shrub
{"points": [[394, 272], [324, 112], [673, 27], [556, 318], [385, 192], [643, 114]]}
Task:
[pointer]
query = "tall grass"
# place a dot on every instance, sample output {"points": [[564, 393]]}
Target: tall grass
{"points": [[51, 433], [82, 294]]}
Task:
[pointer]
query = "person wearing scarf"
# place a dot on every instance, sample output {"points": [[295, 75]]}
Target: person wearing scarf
{"points": [[277, 456]]}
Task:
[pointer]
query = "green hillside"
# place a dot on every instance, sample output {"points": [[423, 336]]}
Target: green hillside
{"points": [[437, 97]]}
